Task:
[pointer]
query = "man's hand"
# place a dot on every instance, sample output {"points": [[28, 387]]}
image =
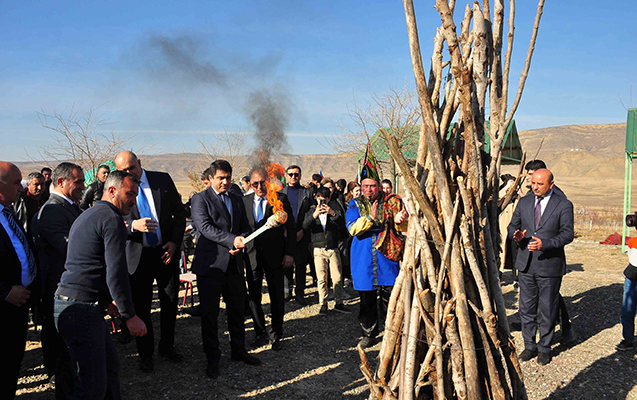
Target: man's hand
{"points": [[112, 310], [328, 210], [145, 225], [170, 248], [518, 236], [136, 326], [288, 261], [401, 216], [18, 295], [317, 212], [535, 244], [238, 242], [375, 210], [299, 235]]}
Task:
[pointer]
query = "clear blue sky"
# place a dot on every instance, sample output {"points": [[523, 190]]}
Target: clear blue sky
{"points": [[320, 55]]}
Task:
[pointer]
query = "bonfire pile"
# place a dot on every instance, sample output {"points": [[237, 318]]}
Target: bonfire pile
{"points": [[446, 333]]}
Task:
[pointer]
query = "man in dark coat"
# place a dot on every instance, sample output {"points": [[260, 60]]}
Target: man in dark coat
{"points": [[156, 228], [93, 192], [221, 224], [542, 224]]}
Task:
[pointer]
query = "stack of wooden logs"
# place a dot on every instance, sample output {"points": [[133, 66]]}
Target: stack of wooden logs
{"points": [[446, 333]]}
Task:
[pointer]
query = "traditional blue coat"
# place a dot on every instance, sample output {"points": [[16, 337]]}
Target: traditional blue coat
{"points": [[369, 267]]}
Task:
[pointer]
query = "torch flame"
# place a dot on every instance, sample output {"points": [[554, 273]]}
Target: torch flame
{"points": [[273, 184]]}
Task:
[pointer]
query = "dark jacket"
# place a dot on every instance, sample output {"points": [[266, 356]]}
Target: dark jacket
{"points": [[92, 194], [555, 230], [216, 231], [26, 207], [328, 238], [274, 243], [96, 260], [306, 199]]}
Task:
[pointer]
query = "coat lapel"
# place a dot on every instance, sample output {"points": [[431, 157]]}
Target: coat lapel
{"points": [[221, 208], [249, 205], [155, 189], [554, 200]]}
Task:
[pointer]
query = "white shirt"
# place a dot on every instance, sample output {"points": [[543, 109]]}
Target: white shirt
{"points": [[19, 249], [63, 196], [256, 205], [145, 186], [543, 202]]}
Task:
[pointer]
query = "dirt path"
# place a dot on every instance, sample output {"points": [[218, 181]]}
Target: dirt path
{"points": [[319, 360]]}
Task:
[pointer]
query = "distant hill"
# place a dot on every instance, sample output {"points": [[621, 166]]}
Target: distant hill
{"points": [[578, 155]]}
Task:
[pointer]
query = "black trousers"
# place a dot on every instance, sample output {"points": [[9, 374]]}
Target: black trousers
{"points": [[298, 273], [13, 337], [373, 308], [274, 277], [538, 293], [152, 268], [230, 285]]}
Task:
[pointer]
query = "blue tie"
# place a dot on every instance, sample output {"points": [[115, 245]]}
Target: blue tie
{"points": [[259, 216], [23, 239], [144, 212]]}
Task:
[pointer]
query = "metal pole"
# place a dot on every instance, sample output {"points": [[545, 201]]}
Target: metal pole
{"points": [[626, 163]]}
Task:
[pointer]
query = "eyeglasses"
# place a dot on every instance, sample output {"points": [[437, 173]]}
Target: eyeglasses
{"points": [[294, 174], [257, 184]]}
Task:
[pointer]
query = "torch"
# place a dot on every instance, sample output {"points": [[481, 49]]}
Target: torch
{"points": [[276, 219]]}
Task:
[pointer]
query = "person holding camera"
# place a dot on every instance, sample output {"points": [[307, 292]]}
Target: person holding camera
{"points": [[323, 221]]}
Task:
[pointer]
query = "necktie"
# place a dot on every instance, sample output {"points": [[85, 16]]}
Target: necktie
{"points": [[23, 239], [538, 211], [145, 212], [259, 215], [226, 202]]}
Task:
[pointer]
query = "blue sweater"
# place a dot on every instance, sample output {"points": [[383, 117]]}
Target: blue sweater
{"points": [[95, 266]]}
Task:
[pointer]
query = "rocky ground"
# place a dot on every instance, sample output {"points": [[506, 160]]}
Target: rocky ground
{"points": [[319, 359]]}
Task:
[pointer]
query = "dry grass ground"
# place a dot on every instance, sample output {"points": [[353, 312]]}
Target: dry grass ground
{"points": [[319, 360]]}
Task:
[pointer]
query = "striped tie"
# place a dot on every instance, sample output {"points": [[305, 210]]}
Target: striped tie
{"points": [[23, 239]]}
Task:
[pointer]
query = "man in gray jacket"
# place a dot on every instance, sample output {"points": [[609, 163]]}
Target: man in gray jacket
{"points": [[542, 225]]}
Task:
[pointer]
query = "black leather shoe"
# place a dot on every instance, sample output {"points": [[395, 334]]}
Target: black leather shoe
{"points": [[246, 359], [212, 370], [147, 365], [260, 341], [172, 355], [543, 358], [526, 355], [277, 345]]}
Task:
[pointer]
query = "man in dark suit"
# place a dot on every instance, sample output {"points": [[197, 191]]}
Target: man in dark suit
{"points": [[17, 272], [156, 228], [271, 253], [221, 224], [301, 199], [94, 191], [51, 226], [542, 224]]}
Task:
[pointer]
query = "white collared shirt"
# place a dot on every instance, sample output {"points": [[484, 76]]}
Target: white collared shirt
{"points": [[145, 186], [63, 196], [18, 247], [256, 205]]}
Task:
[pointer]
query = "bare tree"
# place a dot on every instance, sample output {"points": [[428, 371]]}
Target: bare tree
{"points": [[80, 138], [446, 315], [397, 111]]}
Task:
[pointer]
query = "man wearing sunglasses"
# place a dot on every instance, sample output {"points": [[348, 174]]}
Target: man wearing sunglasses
{"points": [[301, 199]]}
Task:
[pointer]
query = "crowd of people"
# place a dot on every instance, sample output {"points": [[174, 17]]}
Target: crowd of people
{"points": [[73, 254]]}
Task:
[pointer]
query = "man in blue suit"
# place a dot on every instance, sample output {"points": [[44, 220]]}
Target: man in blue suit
{"points": [[542, 224], [221, 223]]}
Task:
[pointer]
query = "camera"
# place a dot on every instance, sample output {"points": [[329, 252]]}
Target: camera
{"points": [[323, 202], [631, 219]]}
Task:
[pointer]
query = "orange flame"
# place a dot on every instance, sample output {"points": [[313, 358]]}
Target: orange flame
{"points": [[273, 184]]}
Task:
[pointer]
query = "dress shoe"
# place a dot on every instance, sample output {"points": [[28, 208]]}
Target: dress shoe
{"points": [[526, 355], [366, 342], [245, 358], [277, 345], [172, 355], [260, 341], [300, 300], [568, 336], [323, 310], [147, 365], [342, 309], [543, 358], [212, 370]]}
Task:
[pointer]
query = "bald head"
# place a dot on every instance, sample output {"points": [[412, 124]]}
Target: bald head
{"points": [[542, 182], [128, 161], [10, 183]]}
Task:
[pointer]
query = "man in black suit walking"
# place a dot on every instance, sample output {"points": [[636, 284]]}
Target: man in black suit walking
{"points": [[156, 227], [221, 223], [270, 253], [301, 199], [17, 272], [541, 226], [51, 226]]}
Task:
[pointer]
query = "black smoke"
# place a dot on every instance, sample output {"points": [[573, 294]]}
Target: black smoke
{"points": [[269, 111]]}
